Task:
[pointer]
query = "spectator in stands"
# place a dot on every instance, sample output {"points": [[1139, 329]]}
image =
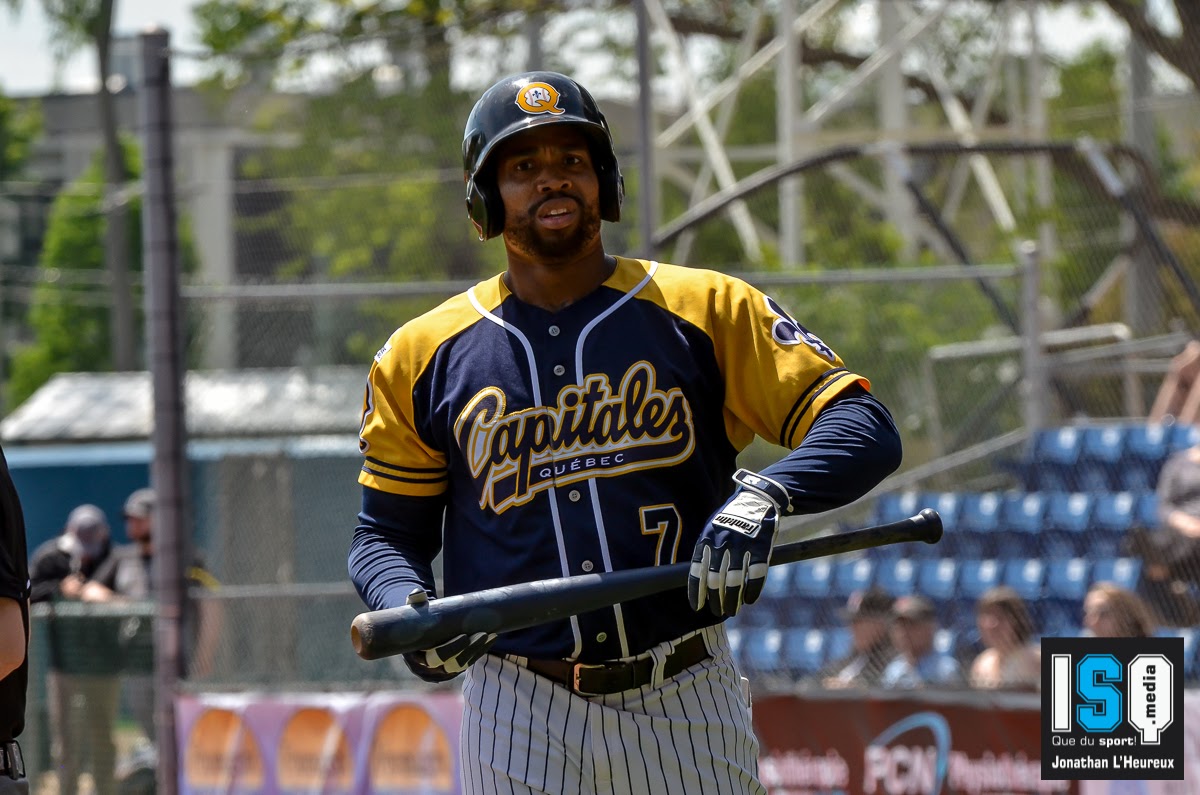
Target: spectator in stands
{"points": [[1011, 658], [869, 614], [1171, 552], [917, 663], [1178, 397], [1110, 611], [83, 702]]}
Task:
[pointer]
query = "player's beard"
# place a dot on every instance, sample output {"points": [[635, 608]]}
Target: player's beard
{"points": [[527, 236]]}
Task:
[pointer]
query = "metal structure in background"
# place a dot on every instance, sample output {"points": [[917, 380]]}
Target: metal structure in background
{"points": [[168, 361], [299, 496]]}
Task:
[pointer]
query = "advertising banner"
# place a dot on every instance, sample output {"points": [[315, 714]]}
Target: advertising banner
{"points": [[1191, 762], [407, 744], [901, 746], [335, 744]]}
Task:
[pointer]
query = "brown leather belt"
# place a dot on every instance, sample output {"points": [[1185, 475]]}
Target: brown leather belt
{"points": [[603, 679]]}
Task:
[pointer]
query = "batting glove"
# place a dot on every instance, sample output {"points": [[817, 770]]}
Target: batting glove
{"points": [[729, 565], [449, 659]]}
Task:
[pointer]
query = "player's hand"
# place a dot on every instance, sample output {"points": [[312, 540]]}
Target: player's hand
{"points": [[449, 659], [729, 564]]}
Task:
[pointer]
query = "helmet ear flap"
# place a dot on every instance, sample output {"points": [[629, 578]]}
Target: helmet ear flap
{"points": [[484, 208]]}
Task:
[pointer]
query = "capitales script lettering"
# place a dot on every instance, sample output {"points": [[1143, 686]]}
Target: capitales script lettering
{"points": [[593, 431]]}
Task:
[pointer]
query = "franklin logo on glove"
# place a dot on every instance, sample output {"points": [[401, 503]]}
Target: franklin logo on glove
{"points": [[730, 562]]}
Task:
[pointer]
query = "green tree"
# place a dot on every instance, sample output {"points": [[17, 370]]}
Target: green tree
{"points": [[69, 316], [20, 125], [369, 185], [75, 24]]}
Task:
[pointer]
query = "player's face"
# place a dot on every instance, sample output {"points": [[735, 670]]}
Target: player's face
{"points": [[551, 193]]}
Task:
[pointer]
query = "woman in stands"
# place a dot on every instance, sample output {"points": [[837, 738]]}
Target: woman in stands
{"points": [[1010, 659], [1110, 611]]}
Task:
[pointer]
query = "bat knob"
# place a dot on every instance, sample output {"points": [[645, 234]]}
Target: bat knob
{"points": [[930, 523]]}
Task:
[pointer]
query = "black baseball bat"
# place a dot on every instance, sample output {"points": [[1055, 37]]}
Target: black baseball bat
{"points": [[399, 630]]}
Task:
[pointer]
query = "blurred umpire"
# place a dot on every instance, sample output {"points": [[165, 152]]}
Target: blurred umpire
{"points": [[14, 635]]}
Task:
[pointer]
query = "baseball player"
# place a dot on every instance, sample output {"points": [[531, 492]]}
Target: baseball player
{"points": [[583, 412]]}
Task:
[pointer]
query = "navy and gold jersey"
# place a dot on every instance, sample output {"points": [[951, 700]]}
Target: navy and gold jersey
{"points": [[561, 442]]}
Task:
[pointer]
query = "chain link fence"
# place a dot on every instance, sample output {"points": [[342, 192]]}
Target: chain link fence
{"points": [[316, 223]]}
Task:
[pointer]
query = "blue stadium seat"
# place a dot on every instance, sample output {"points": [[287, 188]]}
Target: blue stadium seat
{"points": [[761, 650], [1056, 625], [894, 506], [1183, 436], [852, 575], [945, 641], [1022, 516], [1060, 609], [976, 576], [1068, 518], [1056, 454], [735, 636], [838, 643], [803, 651], [1026, 576], [1101, 450], [1068, 579], [797, 612], [946, 503], [974, 534], [938, 579], [1125, 572], [775, 605], [1147, 446], [1145, 511], [813, 578], [898, 577], [1112, 517], [1191, 647]]}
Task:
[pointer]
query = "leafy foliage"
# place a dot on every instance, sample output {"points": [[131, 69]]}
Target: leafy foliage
{"points": [[20, 127], [70, 316]]}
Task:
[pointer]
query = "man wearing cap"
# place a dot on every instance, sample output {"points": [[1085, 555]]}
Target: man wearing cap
{"points": [[83, 700], [917, 662], [60, 567], [869, 614]]}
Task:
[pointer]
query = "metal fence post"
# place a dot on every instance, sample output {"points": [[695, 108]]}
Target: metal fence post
{"points": [[1034, 386], [164, 336]]}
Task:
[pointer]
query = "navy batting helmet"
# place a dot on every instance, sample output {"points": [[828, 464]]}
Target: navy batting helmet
{"points": [[518, 103]]}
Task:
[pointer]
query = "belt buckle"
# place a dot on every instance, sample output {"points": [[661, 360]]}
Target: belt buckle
{"points": [[12, 764], [576, 668], [575, 677]]}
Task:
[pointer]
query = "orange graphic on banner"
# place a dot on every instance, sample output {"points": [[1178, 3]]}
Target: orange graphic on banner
{"points": [[313, 753], [222, 754], [410, 751]]}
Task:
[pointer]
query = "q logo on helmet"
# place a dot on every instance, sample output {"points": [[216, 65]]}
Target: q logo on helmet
{"points": [[539, 98]]}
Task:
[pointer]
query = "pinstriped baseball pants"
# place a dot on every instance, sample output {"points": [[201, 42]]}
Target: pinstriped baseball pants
{"points": [[524, 734]]}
